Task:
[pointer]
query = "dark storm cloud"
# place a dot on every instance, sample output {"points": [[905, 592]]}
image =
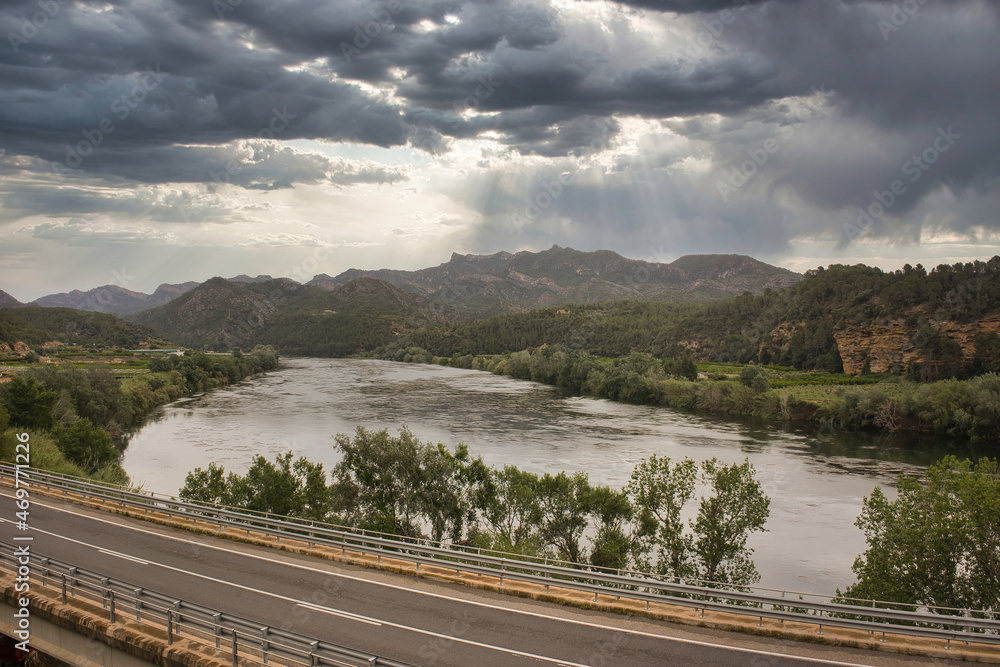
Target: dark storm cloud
{"points": [[893, 95], [144, 75], [158, 91]]}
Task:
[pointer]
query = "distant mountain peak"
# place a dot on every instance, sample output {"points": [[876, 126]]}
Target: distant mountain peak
{"points": [[7, 301], [114, 299], [244, 278]]}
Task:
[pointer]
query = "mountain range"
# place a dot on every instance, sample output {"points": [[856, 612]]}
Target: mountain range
{"points": [[482, 285], [297, 319], [360, 310], [114, 299]]}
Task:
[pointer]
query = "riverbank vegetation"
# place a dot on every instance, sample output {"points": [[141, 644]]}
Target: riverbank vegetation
{"points": [[966, 408], [938, 543], [79, 417], [403, 486], [794, 327]]}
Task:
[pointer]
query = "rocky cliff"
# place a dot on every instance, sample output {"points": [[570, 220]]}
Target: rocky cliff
{"points": [[891, 346]]}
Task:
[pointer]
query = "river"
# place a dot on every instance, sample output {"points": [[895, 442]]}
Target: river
{"points": [[816, 482]]}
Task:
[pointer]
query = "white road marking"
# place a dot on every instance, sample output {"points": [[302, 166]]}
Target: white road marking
{"points": [[346, 615], [336, 612], [125, 556], [440, 596]]}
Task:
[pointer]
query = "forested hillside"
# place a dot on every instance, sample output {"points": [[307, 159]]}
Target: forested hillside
{"points": [[855, 318], [296, 319], [35, 326]]}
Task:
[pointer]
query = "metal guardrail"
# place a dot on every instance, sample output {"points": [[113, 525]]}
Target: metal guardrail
{"points": [[874, 616], [245, 640]]}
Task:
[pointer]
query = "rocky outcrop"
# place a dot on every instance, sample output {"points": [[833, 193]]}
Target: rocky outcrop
{"points": [[890, 346]]}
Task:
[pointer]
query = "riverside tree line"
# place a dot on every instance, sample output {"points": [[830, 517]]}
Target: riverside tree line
{"points": [[968, 408], [936, 545], [403, 486], [78, 417]]}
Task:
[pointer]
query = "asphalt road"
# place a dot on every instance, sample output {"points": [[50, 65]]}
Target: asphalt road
{"points": [[396, 617]]}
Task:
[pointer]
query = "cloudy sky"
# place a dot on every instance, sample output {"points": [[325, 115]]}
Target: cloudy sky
{"points": [[151, 141]]}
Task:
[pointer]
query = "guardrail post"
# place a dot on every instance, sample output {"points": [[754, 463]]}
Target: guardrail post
{"points": [[64, 600], [106, 586], [138, 603], [264, 644], [236, 655], [313, 658], [72, 574], [501, 572], [111, 604], [217, 620], [170, 626], [45, 568]]}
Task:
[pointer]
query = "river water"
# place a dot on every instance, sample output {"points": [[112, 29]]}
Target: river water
{"points": [[816, 482]]}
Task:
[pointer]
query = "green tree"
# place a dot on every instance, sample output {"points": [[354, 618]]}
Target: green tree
{"points": [[86, 445], [726, 519], [565, 503], [207, 486], [686, 368], [397, 484], [755, 377], [938, 543], [64, 412], [659, 490], [614, 544], [30, 403], [287, 488], [291, 489], [511, 509]]}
